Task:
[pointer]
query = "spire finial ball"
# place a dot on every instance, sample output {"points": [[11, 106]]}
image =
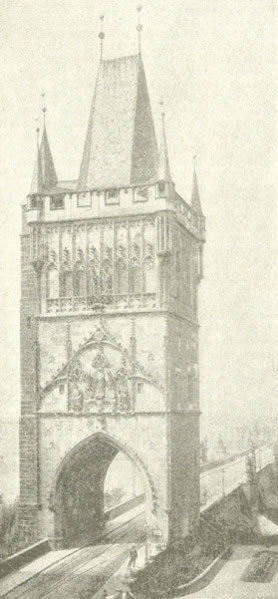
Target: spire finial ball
{"points": [[139, 27], [101, 35]]}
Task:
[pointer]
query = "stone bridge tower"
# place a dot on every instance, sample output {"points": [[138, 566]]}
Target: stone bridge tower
{"points": [[109, 330]]}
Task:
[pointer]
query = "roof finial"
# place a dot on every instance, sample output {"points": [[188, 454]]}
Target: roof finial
{"points": [[44, 109], [101, 36], [38, 137], [162, 113], [139, 26], [44, 115]]}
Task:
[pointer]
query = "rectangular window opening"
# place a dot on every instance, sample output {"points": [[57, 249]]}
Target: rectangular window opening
{"points": [[141, 194], [161, 186], [57, 202], [34, 202], [84, 200], [112, 197]]}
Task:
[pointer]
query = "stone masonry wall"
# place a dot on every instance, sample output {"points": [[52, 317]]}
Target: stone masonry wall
{"points": [[28, 421]]}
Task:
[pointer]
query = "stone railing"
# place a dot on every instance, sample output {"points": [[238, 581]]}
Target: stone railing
{"points": [[115, 302]]}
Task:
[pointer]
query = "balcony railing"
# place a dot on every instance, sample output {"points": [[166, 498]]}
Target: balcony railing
{"points": [[115, 302]]}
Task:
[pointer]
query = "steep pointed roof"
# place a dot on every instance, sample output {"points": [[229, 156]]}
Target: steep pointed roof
{"points": [[37, 180], [163, 169], [48, 168], [195, 196], [120, 147]]}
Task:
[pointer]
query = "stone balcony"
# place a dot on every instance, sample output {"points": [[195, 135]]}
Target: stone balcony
{"points": [[107, 303]]}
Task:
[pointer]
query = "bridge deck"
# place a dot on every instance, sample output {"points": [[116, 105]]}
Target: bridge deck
{"points": [[77, 573], [80, 573], [224, 479]]}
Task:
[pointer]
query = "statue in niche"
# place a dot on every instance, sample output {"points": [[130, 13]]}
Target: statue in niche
{"points": [[75, 378], [80, 261], [121, 252], [93, 272], [66, 260], [53, 258], [123, 403], [77, 399], [149, 250], [135, 250], [101, 382]]}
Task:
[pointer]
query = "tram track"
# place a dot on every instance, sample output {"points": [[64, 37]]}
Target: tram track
{"points": [[81, 574]]}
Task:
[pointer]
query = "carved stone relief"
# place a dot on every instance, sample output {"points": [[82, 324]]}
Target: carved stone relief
{"points": [[99, 378]]}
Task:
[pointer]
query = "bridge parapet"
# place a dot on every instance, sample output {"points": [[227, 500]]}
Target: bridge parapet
{"points": [[224, 479]]}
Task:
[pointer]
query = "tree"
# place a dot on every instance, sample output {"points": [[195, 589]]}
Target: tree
{"points": [[222, 448], [113, 497]]}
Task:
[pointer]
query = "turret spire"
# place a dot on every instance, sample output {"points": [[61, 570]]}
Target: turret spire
{"points": [[139, 27], [48, 168], [163, 171], [37, 180], [195, 196]]}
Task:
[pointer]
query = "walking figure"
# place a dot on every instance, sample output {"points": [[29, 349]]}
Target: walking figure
{"points": [[123, 594], [132, 557]]}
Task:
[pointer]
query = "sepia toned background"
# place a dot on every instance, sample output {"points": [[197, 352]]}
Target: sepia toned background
{"points": [[213, 64]]}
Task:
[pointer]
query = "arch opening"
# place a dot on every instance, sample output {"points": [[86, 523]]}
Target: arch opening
{"points": [[96, 482]]}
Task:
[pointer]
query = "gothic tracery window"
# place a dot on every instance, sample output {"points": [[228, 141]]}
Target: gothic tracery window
{"points": [[80, 282], [149, 275], [121, 276], [93, 279], [93, 272], [135, 276], [106, 276], [66, 287], [52, 283], [80, 279]]}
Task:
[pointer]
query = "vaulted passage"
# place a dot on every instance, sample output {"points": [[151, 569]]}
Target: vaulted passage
{"points": [[79, 501]]}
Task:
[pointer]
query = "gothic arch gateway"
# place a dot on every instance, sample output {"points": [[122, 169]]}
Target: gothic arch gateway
{"points": [[77, 493]]}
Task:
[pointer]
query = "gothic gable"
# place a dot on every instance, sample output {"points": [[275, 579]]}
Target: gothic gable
{"points": [[101, 377]]}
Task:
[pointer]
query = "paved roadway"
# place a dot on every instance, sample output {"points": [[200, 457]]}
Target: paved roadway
{"points": [[82, 573]]}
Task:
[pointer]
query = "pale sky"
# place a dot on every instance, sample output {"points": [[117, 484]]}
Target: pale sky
{"points": [[213, 64]]}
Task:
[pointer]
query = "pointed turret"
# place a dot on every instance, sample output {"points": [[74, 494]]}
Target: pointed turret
{"points": [[163, 169], [195, 196], [37, 180], [48, 168]]}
